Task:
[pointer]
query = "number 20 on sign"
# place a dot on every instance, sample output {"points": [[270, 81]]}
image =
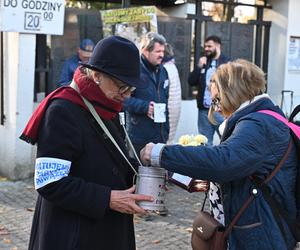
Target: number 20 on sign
{"points": [[32, 21]]}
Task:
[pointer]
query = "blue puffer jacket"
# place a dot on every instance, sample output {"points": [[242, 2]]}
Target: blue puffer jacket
{"points": [[141, 128], [253, 144], [68, 69]]}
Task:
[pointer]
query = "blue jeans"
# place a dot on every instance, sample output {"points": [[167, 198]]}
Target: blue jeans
{"points": [[205, 127]]}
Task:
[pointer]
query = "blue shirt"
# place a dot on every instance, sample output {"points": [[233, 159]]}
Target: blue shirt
{"points": [[209, 73]]}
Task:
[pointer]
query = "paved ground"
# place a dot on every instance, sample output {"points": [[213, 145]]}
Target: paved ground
{"points": [[17, 201]]}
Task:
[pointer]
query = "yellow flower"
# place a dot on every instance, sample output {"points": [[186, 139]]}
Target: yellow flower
{"points": [[188, 140], [185, 139], [201, 139]]}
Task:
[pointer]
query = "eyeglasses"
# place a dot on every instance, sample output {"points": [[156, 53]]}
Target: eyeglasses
{"points": [[123, 88]]}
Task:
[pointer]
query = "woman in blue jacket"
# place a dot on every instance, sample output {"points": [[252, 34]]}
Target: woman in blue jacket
{"points": [[252, 144]]}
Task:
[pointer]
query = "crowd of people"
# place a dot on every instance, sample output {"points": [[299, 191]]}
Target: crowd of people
{"points": [[85, 168]]}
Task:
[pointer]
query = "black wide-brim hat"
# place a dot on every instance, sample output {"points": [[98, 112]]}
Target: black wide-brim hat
{"points": [[117, 57]]}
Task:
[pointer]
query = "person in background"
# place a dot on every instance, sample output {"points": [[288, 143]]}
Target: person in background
{"points": [[252, 145], [200, 77], [84, 52], [174, 101], [140, 120], [85, 186]]}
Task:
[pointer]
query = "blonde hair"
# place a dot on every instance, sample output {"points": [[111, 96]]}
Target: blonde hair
{"points": [[237, 81]]}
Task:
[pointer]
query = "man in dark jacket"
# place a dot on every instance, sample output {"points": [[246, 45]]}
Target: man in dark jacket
{"points": [[84, 52], [200, 77], [142, 108]]}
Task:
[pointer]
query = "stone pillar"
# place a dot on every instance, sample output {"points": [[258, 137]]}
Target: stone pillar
{"points": [[19, 66]]}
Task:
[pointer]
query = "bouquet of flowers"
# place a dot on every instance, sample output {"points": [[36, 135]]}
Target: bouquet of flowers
{"points": [[186, 182], [190, 140]]}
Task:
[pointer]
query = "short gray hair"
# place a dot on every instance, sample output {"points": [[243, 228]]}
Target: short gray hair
{"points": [[150, 39]]}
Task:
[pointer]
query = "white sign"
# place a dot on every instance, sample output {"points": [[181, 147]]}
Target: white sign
{"points": [[32, 16], [186, 180], [294, 54]]}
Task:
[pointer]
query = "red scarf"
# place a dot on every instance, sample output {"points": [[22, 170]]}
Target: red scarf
{"points": [[106, 108]]}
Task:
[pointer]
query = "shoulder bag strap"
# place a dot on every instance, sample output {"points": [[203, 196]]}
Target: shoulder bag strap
{"points": [[254, 191], [279, 117], [204, 201], [122, 121], [102, 125], [277, 210]]}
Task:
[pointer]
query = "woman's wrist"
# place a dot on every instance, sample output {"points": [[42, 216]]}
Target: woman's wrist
{"points": [[156, 154]]}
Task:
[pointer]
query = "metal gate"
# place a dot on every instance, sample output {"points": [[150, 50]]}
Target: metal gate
{"points": [[177, 32], [249, 41], [237, 39]]}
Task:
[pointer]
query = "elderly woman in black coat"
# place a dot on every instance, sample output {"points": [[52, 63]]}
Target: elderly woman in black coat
{"points": [[85, 183]]}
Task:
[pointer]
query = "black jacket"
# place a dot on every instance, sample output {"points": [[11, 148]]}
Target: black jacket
{"points": [[197, 78], [73, 212]]}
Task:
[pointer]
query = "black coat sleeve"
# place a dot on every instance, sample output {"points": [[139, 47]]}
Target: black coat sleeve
{"points": [[194, 77]]}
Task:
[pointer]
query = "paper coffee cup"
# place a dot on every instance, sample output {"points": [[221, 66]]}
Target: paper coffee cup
{"points": [[159, 112]]}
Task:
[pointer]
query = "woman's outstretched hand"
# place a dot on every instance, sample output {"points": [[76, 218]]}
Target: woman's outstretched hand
{"points": [[145, 154], [124, 201]]}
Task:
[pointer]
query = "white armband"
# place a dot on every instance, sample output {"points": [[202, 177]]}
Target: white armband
{"points": [[48, 170]]}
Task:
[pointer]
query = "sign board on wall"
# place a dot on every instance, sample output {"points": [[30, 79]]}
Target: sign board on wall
{"points": [[131, 23], [32, 16], [294, 54]]}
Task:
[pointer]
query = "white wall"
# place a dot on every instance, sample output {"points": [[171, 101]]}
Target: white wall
{"points": [[278, 15], [188, 119], [292, 79], [285, 23], [19, 58]]}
